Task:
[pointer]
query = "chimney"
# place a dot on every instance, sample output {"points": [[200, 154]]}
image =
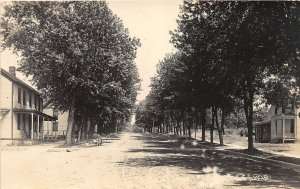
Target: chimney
{"points": [[12, 70]]}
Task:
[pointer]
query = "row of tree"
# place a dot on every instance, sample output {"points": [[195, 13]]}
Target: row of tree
{"points": [[80, 56], [230, 54]]}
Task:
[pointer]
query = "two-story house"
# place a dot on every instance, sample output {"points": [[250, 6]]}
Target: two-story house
{"points": [[21, 108], [281, 125]]}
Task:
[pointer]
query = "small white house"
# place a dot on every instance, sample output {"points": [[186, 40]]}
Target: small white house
{"points": [[280, 126]]}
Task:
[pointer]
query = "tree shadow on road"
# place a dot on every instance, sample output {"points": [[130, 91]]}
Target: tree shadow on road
{"points": [[267, 155], [203, 160], [88, 142]]}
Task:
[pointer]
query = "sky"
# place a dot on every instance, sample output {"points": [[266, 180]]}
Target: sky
{"points": [[148, 20]]}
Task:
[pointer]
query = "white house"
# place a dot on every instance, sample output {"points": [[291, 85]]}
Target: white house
{"points": [[21, 107], [280, 126], [59, 128]]}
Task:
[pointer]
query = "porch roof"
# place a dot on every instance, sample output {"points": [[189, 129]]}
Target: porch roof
{"points": [[26, 111]]}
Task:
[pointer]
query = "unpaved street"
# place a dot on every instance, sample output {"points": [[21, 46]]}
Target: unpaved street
{"points": [[136, 161]]}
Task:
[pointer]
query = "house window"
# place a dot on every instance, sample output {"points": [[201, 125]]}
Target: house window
{"points": [[30, 121], [55, 113], [30, 100], [35, 126], [55, 126], [292, 126], [41, 104], [24, 121], [19, 121], [24, 97], [35, 102], [275, 110], [19, 95]]}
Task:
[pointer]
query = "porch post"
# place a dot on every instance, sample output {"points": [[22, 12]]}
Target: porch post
{"points": [[55, 132], [22, 129], [48, 129], [31, 125], [52, 127], [43, 128], [295, 129], [283, 129], [38, 127]]}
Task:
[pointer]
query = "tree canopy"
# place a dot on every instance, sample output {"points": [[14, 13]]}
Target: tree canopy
{"points": [[78, 53]]}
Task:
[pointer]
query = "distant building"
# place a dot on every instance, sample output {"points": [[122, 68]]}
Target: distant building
{"points": [[280, 126], [21, 107], [60, 126]]}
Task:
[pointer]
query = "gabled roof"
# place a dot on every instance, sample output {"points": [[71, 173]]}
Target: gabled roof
{"points": [[18, 81]]}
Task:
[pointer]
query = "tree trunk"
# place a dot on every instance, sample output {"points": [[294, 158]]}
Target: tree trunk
{"points": [[92, 129], [180, 128], [218, 127], [79, 134], [174, 125], [248, 96], [117, 126], [84, 129], [196, 128], [167, 126], [223, 121], [88, 128], [212, 125], [184, 127], [70, 123], [203, 123], [183, 123], [80, 129], [250, 126], [152, 125], [189, 129], [73, 134]]}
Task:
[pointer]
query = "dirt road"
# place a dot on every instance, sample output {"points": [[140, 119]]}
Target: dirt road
{"points": [[137, 161]]}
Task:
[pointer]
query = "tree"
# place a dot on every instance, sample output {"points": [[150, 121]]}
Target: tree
{"points": [[169, 89], [281, 92], [75, 52], [245, 41], [263, 43], [199, 38]]}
